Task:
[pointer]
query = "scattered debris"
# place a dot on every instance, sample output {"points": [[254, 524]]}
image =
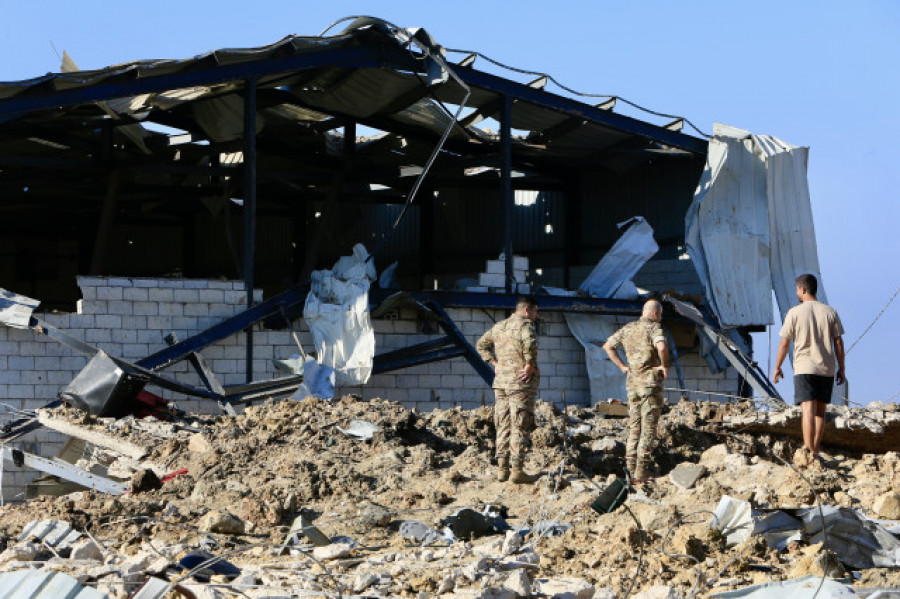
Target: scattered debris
{"points": [[288, 502]]}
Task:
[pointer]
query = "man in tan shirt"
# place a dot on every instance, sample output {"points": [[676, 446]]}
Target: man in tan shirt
{"points": [[816, 330]]}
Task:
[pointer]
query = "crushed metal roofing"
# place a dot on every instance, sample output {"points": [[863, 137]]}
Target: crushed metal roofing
{"points": [[62, 132], [43, 584]]}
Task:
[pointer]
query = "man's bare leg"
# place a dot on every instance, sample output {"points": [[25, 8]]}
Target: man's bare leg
{"points": [[808, 424], [819, 424]]}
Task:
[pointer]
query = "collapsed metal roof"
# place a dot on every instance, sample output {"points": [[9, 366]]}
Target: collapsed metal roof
{"points": [[307, 87]]}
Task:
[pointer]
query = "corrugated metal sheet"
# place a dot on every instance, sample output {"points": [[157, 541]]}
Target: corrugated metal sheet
{"points": [[728, 231], [793, 235], [750, 228], [43, 584], [55, 533]]}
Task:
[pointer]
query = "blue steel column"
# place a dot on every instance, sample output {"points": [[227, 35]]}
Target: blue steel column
{"points": [[506, 185], [249, 206]]}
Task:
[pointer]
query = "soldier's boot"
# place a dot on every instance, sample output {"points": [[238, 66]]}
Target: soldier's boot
{"points": [[503, 469], [520, 477]]}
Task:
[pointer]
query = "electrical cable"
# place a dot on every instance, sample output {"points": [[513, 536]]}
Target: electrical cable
{"points": [[438, 58], [575, 92], [868, 328], [665, 538]]}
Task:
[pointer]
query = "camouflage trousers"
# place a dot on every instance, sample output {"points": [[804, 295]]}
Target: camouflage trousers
{"points": [[514, 421], [644, 408]]}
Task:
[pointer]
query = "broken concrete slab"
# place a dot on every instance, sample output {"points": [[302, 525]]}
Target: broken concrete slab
{"points": [[221, 522], [857, 429], [565, 588], [332, 551], [686, 475], [887, 506]]}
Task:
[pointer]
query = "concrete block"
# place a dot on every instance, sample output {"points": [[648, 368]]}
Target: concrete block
{"points": [[477, 288], [146, 308], [186, 296], [196, 283], [419, 394], [120, 307], [170, 309], [170, 283], [196, 309], [235, 298], [221, 311], [451, 381], [83, 321], [225, 366], [136, 294], [520, 262], [32, 348], [476, 329], [430, 381], [10, 377], [497, 267], [124, 336], [185, 323], [20, 363], [406, 327], [491, 280], [443, 367], [212, 296], [161, 295], [108, 293], [108, 321], [19, 391]]}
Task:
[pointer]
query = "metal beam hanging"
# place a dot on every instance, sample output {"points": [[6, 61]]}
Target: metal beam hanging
{"points": [[249, 207], [506, 186]]}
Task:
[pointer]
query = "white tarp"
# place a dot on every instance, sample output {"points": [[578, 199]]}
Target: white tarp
{"points": [[749, 229], [337, 311], [610, 278]]}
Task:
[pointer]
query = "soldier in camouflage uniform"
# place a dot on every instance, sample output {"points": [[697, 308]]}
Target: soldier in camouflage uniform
{"points": [[510, 346], [648, 365]]}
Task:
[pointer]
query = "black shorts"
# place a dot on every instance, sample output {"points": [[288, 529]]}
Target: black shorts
{"points": [[812, 386]]}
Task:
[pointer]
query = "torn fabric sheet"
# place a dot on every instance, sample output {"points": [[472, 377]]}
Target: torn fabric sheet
{"points": [[318, 381], [15, 309], [611, 277], [337, 311]]}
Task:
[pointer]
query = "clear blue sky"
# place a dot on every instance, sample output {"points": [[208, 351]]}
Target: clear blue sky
{"points": [[821, 74]]}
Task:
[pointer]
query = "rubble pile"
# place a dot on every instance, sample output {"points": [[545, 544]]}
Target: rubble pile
{"points": [[369, 498]]}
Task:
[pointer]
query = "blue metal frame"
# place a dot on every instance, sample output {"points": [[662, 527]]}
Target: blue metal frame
{"points": [[351, 57], [577, 109]]}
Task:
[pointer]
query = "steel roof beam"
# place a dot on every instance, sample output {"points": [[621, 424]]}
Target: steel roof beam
{"points": [[577, 109], [355, 56]]}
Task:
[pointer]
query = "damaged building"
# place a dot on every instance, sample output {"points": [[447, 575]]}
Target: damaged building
{"points": [[240, 292], [195, 200]]}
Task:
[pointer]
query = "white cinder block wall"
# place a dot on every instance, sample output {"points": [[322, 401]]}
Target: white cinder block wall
{"points": [[129, 317]]}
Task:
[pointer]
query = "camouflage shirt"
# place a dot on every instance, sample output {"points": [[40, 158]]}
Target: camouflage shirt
{"points": [[639, 338], [509, 345]]}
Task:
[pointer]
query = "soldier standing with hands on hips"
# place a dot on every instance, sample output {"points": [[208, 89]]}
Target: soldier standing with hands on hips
{"points": [[510, 346], [648, 366]]}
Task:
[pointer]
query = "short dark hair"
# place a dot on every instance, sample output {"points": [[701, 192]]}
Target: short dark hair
{"points": [[809, 283], [526, 300]]}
